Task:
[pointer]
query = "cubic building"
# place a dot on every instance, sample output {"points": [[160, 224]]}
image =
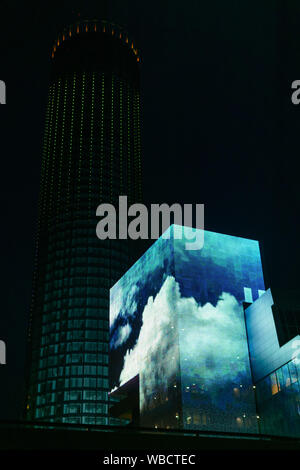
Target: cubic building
{"points": [[91, 155], [178, 340]]}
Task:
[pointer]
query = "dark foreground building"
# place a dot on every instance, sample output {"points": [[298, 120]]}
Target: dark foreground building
{"points": [[73, 439], [91, 154]]}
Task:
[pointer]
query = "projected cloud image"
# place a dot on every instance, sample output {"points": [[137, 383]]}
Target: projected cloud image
{"points": [[177, 321], [159, 316]]}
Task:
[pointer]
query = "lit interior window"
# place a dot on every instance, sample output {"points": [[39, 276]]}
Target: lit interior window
{"points": [[274, 385]]}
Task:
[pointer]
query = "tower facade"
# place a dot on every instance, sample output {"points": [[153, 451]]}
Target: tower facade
{"points": [[91, 154]]}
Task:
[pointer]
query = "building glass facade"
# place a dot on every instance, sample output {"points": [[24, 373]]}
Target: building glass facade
{"points": [[91, 154], [177, 321], [275, 366], [278, 398]]}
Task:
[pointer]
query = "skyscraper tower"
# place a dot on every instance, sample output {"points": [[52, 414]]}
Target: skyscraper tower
{"points": [[91, 154]]}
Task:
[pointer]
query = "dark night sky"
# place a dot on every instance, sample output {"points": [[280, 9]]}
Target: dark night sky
{"points": [[219, 128]]}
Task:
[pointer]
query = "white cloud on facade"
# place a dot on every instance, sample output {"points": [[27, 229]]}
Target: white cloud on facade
{"points": [[207, 333]]}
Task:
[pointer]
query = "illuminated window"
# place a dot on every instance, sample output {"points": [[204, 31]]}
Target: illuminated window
{"points": [[196, 419], [274, 385]]}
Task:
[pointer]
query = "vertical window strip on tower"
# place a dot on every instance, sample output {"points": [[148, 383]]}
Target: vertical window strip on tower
{"points": [[46, 184], [45, 160], [128, 147], [58, 207], [41, 219], [121, 137], [102, 135], [135, 175], [112, 140], [139, 159], [51, 202], [71, 144], [80, 140], [91, 141]]}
